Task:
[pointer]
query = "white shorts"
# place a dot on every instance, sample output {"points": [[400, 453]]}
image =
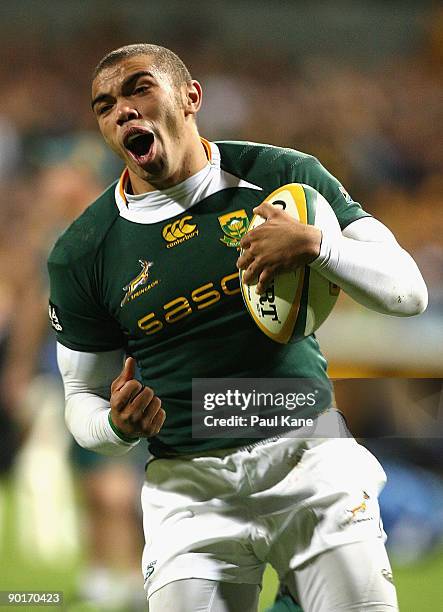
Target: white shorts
{"points": [[223, 515]]}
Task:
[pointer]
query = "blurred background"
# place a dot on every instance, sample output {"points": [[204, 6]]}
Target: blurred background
{"points": [[359, 84]]}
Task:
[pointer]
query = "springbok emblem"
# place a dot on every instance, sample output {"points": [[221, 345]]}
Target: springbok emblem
{"points": [[360, 508], [140, 280]]}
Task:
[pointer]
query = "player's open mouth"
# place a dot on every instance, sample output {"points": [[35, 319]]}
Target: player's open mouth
{"points": [[140, 145]]}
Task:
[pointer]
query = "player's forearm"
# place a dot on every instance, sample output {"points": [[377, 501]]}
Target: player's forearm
{"points": [[371, 267], [87, 379], [87, 419]]}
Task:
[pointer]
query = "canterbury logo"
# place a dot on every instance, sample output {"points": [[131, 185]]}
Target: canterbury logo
{"points": [[140, 280], [179, 231]]}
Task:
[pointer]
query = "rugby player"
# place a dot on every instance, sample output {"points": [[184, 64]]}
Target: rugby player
{"points": [[150, 271]]}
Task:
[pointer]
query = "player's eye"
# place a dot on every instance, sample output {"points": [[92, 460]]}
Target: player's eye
{"points": [[141, 89], [102, 110]]}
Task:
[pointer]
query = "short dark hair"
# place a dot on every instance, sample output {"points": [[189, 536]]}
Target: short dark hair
{"points": [[166, 60]]}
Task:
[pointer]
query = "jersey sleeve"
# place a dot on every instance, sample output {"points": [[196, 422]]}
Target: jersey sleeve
{"points": [[312, 173], [79, 320]]}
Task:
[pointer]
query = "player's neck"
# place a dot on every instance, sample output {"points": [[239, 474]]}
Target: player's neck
{"points": [[194, 159]]}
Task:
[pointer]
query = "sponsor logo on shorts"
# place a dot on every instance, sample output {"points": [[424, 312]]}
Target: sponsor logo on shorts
{"points": [[179, 231], [388, 575], [150, 569], [234, 225], [139, 285]]}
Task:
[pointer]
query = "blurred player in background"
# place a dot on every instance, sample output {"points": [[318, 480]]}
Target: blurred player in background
{"points": [[110, 577], [215, 510]]}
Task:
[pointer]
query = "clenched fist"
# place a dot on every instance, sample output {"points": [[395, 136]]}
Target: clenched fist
{"points": [[135, 410]]}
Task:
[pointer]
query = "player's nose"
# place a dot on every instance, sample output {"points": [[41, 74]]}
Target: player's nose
{"points": [[126, 112]]}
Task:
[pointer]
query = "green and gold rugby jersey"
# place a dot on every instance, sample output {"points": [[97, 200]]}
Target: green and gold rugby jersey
{"points": [[156, 275]]}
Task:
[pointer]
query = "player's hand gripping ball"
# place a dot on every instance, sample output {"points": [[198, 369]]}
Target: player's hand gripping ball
{"points": [[297, 301]]}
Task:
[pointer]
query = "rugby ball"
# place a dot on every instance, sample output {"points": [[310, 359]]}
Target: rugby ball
{"points": [[297, 302]]}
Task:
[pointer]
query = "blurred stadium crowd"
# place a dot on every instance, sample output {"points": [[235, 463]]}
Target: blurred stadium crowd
{"points": [[378, 126]]}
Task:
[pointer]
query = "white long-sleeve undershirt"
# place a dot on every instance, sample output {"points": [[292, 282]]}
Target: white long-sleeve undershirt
{"points": [[87, 378], [370, 266], [366, 262]]}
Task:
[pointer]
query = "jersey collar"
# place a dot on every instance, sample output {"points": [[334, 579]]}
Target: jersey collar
{"points": [[122, 197], [157, 206]]}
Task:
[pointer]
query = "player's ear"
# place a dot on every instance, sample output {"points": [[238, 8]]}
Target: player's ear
{"points": [[192, 93]]}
